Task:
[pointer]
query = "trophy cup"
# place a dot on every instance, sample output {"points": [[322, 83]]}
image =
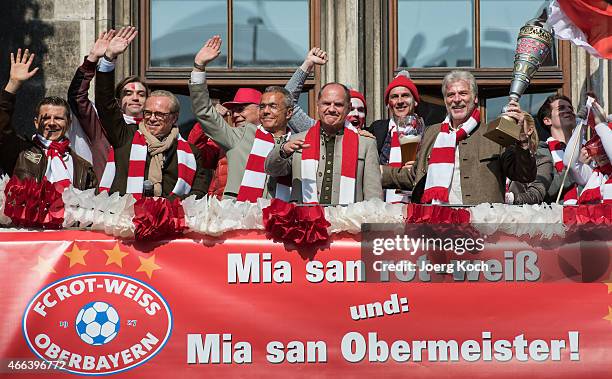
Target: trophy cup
{"points": [[532, 48]]}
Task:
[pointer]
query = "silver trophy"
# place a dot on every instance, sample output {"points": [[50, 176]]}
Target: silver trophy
{"points": [[532, 48]]}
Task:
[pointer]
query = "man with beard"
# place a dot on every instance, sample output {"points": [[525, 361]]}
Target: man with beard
{"points": [[455, 163], [246, 146], [47, 155], [149, 158], [301, 121], [131, 92], [330, 163]]}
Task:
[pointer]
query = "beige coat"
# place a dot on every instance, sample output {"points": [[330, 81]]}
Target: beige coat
{"points": [[367, 183], [483, 164], [237, 142]]}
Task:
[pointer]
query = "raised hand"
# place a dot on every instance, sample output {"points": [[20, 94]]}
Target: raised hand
{"points": [[99, 48], [584, 157], [120, 42], [599, 113], [20, 70], [514, 110], [315, 56], [208, 52]]}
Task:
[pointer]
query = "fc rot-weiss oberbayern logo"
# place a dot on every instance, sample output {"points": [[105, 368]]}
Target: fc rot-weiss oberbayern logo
{"points": [[98, 323]]}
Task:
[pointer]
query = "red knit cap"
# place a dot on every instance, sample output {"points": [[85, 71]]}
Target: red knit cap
{"points": [[402, 81], [359, 95]]}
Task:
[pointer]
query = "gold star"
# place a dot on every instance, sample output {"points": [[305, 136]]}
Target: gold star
{"points": [[609, 316], [44, 266], [76, 255], [148, 265], [115, 255]]}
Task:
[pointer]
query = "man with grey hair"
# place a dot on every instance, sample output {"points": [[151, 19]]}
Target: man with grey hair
{"points": [[455, 163], [149, 158], [246, 146]]}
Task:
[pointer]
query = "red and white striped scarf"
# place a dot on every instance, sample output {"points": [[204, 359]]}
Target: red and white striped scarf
{"points": [[442, 159], [254, 178], [557, 150], [60, 169], [598, 188], [136, 168], [348, 167], [395, 160]]}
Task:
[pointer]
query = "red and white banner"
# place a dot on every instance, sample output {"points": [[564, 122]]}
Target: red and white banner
{"points": [[586, 23], [191, 308]]}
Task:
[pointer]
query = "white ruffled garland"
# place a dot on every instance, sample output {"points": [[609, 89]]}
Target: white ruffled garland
{"points": [[214, 217], [111, 214], [349, 218], [542, 220]]}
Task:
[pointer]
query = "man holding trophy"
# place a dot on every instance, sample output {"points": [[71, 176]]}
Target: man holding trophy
{"points": [[458, 161], [455, 163]]}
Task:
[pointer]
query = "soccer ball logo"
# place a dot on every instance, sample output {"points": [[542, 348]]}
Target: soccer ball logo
{"points": [[97, 323]]}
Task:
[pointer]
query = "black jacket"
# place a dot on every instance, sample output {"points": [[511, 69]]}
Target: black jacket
{"points": [[379, 129]]}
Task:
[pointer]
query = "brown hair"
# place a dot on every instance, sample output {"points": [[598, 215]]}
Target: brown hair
{"points": [[54, 100], [534, 139], [545, 110], [128, 80]]}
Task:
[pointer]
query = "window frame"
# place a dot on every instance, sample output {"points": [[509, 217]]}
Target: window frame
{"points": [[232, 76], [175, 78], [492, 82]]}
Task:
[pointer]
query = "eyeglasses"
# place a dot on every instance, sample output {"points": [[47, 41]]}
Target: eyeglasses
{"points": [[273, 107], [159, 115]]}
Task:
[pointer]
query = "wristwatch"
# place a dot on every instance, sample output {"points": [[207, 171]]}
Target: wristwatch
{"points": [[200, 67], [109, 59]]}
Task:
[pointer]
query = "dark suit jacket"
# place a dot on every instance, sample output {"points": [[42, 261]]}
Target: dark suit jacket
{"points": [[78, 98], [379, 129], [120, 136]]}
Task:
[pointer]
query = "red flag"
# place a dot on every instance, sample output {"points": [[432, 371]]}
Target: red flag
{"points": [[587, 23]]}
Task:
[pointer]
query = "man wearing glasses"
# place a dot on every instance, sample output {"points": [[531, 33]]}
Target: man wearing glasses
{"points": [[247, 144], [150, 158]]}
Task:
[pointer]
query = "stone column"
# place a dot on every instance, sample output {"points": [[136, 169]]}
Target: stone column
{"points": [[59, 32], [590, 74], [375, 50], [341, 37]]}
